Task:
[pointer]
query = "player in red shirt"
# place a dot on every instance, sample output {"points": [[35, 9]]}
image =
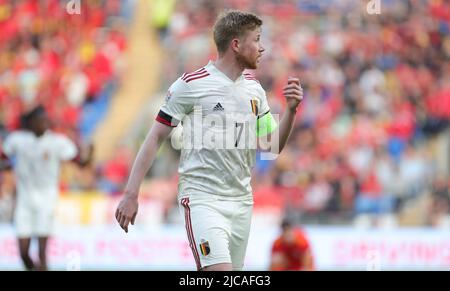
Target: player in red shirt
{"points": [[291, 250]]}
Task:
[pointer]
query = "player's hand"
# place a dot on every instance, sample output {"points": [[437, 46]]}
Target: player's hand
{"points": [[126, 212], [293, 93]]}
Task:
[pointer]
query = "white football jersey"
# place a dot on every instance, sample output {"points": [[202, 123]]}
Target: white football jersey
{"points": [[36, 162], [219, 130]]}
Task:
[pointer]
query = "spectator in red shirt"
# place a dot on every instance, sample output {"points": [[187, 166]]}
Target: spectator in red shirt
{"points": [[291, 251]]}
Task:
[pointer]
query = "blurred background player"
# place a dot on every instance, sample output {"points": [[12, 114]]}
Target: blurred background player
{"points": [[36, 153], [291, 251]]}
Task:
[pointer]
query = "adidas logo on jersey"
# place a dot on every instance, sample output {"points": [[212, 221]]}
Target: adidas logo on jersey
{"points": [[218, 107]]}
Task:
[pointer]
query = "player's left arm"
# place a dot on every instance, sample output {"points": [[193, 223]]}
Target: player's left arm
{"points": [[8, 151], [293, 93], [68, 151], [85, 155], [276, 136]]}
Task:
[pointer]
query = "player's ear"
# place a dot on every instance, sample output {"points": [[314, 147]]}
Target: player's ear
{"points": [[235, 43]]}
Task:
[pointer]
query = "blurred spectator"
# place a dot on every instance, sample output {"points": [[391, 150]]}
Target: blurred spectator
{"points": [[372, 199], [291, 251], [377, 88], [61, 61], [439, 210], [50, 57]]}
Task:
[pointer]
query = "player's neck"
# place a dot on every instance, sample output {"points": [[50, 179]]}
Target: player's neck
{"points": [[38, 133], [229, 66]]}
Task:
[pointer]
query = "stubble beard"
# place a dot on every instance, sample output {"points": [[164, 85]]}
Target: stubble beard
{"points": [[246, 62]]}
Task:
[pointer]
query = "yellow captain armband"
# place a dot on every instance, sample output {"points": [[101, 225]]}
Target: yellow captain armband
{"points": [[265, 124]]}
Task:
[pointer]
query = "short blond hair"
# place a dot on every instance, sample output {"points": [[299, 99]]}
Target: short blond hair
{"points": [[232, 24]]}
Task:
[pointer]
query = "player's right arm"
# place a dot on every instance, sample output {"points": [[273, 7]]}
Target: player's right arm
{"points": [[127, 210], [8, 150], [179, 102]]}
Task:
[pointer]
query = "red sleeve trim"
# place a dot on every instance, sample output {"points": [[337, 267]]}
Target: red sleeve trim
{"points": [[166, 119]]}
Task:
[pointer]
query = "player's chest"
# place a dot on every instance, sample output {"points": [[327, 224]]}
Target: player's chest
{"points": [[294, 253], [232, 100], [36, 151]]}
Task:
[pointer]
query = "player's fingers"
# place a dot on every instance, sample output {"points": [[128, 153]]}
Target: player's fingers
{"points": [[293, 91], [126, 222], [292, 96], [292, 88], [118, 216], [294, 80], [122, 221], [292, 85], [133, 218], [298, 92]]}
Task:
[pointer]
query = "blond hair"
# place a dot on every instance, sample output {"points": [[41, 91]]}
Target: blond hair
{"points": [[233, 24]]}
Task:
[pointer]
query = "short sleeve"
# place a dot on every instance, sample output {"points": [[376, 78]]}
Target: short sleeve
{"points": [[264, 105], [178, 103], [66, 149], [9, 146]]}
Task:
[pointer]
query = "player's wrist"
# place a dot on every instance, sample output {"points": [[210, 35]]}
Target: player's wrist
{"points": [[293, 109], [131, 194]]}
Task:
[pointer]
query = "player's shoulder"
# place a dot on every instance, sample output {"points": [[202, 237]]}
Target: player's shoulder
{"points": [[55, 136], [300, 237], [185, 84], [195, 77], [250, 78], [251, 81], [18, 134], [278, 243]]}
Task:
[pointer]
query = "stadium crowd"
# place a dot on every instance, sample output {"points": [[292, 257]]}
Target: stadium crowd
{"points": [[64, 60], [377, 99]]}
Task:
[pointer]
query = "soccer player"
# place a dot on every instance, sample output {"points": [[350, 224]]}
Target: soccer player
{"points": [[291, 251], [36, 154], [214, 194]]}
